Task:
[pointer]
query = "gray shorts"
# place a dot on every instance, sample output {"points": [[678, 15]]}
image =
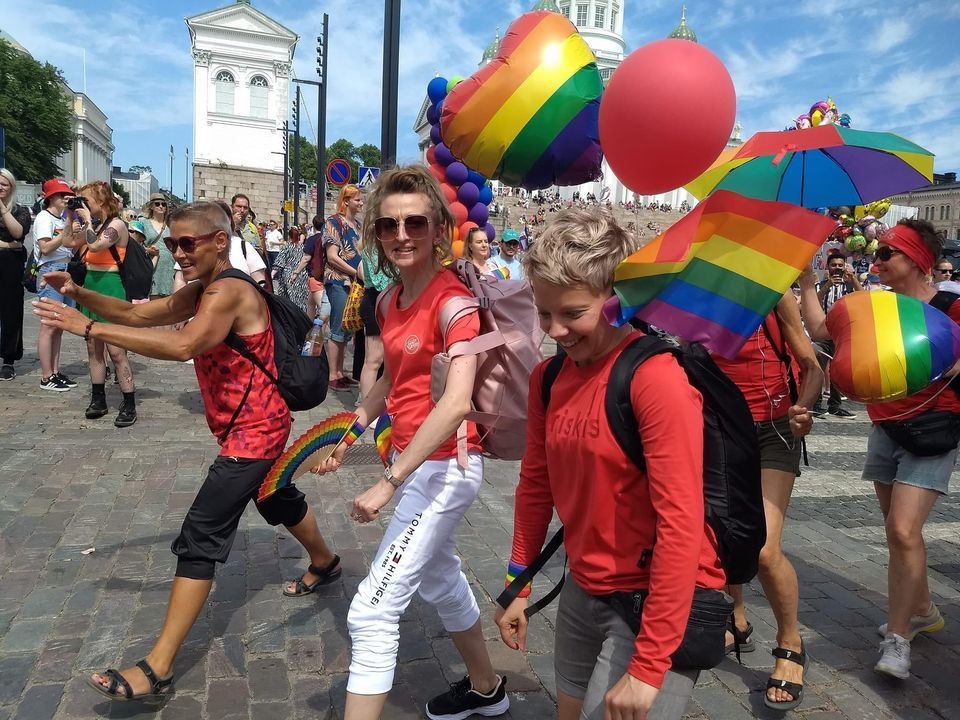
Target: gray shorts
{"points": [[593, 647], [887, 462]]}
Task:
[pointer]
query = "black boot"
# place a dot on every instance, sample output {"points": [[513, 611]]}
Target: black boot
{"points": [[98, 403], [128, 411]]}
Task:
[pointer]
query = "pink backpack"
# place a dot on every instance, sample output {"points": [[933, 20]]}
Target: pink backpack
{"points": [[507, 350]]}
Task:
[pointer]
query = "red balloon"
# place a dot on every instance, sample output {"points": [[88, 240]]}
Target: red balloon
{"points": [[666, 115], [449, 192], [459, 211], [438, 172], [432, 155], [466, 228]]}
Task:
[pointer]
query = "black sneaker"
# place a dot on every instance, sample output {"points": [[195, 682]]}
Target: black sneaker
{"points": [[818, 411], [461, 701], [7, 372], [97, 408], [127, 415], [841, 413], [66, 380], [53, 383]]}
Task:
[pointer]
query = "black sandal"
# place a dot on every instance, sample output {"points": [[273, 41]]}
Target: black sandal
{"points": [[325, 576], [795, 689], [159, 689], [741, 638]]}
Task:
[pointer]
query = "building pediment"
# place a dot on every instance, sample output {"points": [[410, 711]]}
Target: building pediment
{"points": [[240, 18]]}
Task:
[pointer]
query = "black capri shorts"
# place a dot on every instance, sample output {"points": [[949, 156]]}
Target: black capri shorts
{"points": [[779, 449], [211, 523], [368, 312]]}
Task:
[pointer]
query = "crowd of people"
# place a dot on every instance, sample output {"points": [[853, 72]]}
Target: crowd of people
{"points": [[631, 530]]}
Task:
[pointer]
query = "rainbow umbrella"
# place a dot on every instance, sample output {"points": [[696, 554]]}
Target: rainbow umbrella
{"points": [[715, 274], [821, 166]]}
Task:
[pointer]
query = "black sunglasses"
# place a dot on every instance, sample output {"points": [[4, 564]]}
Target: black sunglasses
{"points": [[886, 252], [159, 203], [187, 243], [414, 226], [943, 270]]}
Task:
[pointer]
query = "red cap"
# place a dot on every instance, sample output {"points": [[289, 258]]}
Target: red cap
{"points": [[56, 187]]}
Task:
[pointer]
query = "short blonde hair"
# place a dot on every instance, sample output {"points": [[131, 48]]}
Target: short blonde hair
{"points": [[579, 247], [408, 180]]}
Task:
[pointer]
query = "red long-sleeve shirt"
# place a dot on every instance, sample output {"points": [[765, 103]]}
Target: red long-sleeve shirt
{"points": [[612, 512]]}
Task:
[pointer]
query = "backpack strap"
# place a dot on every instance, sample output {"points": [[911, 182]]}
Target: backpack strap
{"points": [[234, 341], [550, 373], [619, 407], [511, 592]]}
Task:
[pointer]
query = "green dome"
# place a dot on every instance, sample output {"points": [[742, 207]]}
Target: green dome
{"points": [[491, 52], [683, 31], [549, 5]]}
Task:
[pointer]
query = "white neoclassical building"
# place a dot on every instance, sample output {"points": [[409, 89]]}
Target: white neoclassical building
{"points": [[242, 61], [600, 22]]}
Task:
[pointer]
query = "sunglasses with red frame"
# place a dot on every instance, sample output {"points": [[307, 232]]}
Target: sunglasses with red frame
{"points": [[187, 243]]}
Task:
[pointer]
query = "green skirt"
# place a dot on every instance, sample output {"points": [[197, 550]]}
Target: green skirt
{"points": [[106, 283]]}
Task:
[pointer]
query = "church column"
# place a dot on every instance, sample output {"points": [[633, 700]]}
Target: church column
{"points": [[201, 102]]}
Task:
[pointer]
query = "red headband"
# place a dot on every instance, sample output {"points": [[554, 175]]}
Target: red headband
{"points": [[908, 241]]}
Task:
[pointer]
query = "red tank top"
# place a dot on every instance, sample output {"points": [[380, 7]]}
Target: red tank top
{"points": [[262, 426], [760, 374]]}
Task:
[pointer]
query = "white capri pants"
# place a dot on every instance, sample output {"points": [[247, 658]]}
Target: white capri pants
{"points": [[415, 555]]}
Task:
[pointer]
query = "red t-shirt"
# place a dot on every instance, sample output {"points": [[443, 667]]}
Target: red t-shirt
{"points": [[263, 424], [921, 402], [760, 374], [411, 337], [612, 512]]}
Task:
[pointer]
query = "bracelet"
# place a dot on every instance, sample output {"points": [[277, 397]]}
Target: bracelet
{"points": [[86, 332]]}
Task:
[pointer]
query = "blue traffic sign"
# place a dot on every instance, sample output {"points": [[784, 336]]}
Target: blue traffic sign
{"points": [[367, 176], [338, 172]]}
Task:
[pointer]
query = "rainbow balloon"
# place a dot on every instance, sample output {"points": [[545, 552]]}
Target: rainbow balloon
{"points": [[530, 116], [311, 448], [383, 436], [889, 346]]}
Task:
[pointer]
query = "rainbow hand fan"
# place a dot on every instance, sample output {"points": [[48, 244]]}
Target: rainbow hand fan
{"points": [[310, 449], [383, 435]]}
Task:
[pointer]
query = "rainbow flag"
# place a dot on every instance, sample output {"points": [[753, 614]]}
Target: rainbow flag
{"points": [[715, 274]]}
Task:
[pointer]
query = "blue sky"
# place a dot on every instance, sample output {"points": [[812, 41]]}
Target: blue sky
{"points": [[893, 69]]}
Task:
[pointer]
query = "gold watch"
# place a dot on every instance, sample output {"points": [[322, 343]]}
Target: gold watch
{"points": [[389, 477]]}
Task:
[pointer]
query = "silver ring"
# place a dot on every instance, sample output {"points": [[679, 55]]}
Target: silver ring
{"points": [[56, 315]]}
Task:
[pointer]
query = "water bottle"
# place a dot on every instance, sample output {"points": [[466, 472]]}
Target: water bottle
{"points": [[313, 345]]}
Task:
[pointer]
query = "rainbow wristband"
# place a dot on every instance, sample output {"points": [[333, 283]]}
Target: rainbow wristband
{"points": [[514, 569], [353, 433]]}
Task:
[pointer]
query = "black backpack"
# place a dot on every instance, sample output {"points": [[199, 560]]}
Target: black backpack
{"points": [[136, 270], [732, 493], [301, 380]]}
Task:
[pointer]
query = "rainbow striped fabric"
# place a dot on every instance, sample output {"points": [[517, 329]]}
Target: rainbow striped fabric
{"points": [[314, 446], [530, 117], [715, 274]]}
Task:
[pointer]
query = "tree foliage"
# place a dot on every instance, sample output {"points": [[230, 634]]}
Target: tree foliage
{"points": [[35, 114], [121, 191]]}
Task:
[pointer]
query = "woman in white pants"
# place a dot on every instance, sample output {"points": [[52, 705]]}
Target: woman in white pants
{"points": [[412, 226]]}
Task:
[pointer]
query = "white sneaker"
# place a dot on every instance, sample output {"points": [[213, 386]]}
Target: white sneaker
{"points": [[930, 622], [894, 657]]}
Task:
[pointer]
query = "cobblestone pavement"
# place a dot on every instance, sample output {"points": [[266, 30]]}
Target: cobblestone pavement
{"points": [[70, 484]]}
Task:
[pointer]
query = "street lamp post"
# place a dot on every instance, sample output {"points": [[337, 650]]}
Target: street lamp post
{"points": [[391, 80], [296, 158]]}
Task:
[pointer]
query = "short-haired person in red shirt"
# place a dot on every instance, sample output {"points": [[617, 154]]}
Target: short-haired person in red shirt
{"points": [[760, 371], [408, 218], [611, 511]]}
